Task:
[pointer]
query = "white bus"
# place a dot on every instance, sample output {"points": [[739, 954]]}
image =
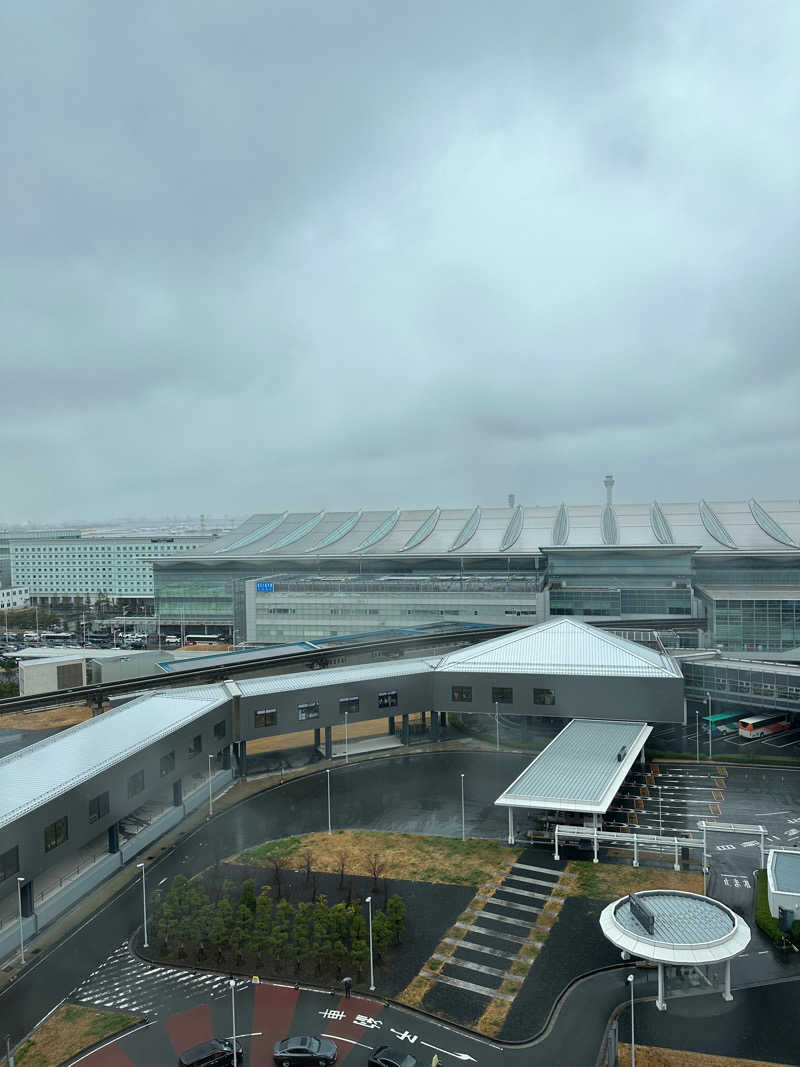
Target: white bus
{"points": [[761, 725], [203, 639]]}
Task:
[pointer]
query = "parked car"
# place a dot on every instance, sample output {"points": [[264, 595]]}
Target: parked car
{"points": [[218, 1052], [386, 1056], [306, 1049]]}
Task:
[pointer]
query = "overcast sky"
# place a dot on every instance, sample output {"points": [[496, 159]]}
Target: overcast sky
{"points": [[267, 255]]}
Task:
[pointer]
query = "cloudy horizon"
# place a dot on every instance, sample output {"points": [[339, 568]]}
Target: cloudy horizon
{"points": [[299, 256]]}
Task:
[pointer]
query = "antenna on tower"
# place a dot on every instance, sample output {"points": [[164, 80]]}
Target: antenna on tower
{"points": [[511, 500], [608, 482]]}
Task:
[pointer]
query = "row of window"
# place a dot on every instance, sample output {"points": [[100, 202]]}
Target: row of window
{"points": [[347, 706], [462, 694]]}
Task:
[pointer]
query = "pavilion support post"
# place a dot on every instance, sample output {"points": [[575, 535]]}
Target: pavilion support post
{"points": [[761, 835], [677, 862], [511, 826], [555, 853], [635, 851], [726, 994], [595, 860], [661, 1003]]}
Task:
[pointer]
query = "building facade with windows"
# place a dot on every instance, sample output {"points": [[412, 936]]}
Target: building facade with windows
{"points": [[15, 597], [292, 576], [85, 569]]}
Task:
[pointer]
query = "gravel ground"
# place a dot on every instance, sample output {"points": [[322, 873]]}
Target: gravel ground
{"points": [[575, 945]]}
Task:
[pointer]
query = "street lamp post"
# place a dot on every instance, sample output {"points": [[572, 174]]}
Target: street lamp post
{"points": [[633, 1032], [710, 724], [20, 880], [497, 725], [346, 742], [144, 904], [232, 984], [210, 795], [660, 820], [463, 825], [697, 721], [328, 773], [368, 902]]}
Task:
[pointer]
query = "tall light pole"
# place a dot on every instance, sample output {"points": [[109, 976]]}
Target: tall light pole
{"points": [[20, 880], [346, 743], [328, 775], [463, 825], [497, 726], [710, 726], [144, 904], [232, 984], [633, 1032], [210, 795], [368, 902], [697, 720]]}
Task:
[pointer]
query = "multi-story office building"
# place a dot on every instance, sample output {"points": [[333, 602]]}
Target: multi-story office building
{"points": [[6, 536], [85, 569], [14, 597], [284, 576]]}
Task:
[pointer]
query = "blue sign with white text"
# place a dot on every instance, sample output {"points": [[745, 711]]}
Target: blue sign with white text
{"points": [[265, 587]]}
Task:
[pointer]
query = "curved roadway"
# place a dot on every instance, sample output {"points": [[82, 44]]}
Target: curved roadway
{"points": [[408, 793]]}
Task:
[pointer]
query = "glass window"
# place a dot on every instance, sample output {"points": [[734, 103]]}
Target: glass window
{"points": [[348, 705], [168, 763], [9, 863], [307, 711], [99, 806], [544, 697], [388, 700], [502, 695], [136, 783], [266, 717], [461, 694], [56, 833], [220, 729]]}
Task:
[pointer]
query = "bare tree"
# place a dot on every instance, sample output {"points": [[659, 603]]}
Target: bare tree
{"points": [[277, 874], [376, 861], [308, 858], [341, 863]]}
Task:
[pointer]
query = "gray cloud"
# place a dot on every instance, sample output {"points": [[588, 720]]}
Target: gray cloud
{"points": [[300, 255]]}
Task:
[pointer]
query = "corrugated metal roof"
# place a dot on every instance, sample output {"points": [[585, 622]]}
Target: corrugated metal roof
{"points": [[358, 672], [563, 646], [680, 918], [36, 774], [579, 769]]}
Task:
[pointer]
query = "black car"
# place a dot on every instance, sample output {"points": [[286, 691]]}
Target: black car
{"points": [[386, 1056], [296, 1051], [215, 1053]]}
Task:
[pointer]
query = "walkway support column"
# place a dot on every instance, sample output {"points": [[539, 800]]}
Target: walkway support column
{"points": [[316, 737], [443, 719], [726, 994], [435, 728], [404, 735], [391, 725], [661, 1004], [555, 853], [511, 826], [635, 851], [243, 758], [328, 742], [113, 837]]}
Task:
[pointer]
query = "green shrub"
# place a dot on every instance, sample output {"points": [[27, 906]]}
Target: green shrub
{"points": [[766, 922]]}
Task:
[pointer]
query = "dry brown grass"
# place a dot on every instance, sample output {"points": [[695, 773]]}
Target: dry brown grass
{"points": [[304, 739], [607, 881], [52, 719], [491, 1022], [69, 1030], [663, 1057], [416, 991], [410, 857]]}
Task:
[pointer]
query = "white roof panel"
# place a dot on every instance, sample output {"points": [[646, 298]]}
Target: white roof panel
{"points": [[580, 770], [358, 672], [562, 646], [49, 768]]}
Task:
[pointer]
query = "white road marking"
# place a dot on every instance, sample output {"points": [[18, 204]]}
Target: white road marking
{"points": [[349, 1041], [763, 814]]}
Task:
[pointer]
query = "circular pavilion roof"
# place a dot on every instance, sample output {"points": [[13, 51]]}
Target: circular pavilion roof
{"points": [[687, 928]]}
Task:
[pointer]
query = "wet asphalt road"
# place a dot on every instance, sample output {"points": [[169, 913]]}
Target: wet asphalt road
{"points": [[415, 793]]}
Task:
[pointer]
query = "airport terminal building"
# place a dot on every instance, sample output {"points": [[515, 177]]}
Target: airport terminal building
{"points": [[720, 575]]}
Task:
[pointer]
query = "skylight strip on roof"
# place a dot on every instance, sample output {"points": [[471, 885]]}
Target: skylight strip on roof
{"points": [[256, 535], [561, 526], [467, 530], [379, 532], [336, 535], [296, 535], [513, 530], [659, 525], [714, 526], [425, 530], [608, 526], [769, 525]]}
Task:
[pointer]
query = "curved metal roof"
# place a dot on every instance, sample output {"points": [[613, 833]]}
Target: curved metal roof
{"points": [[609, 526], [257, 534], [379, 532], [297, 534], [341, 531]]}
